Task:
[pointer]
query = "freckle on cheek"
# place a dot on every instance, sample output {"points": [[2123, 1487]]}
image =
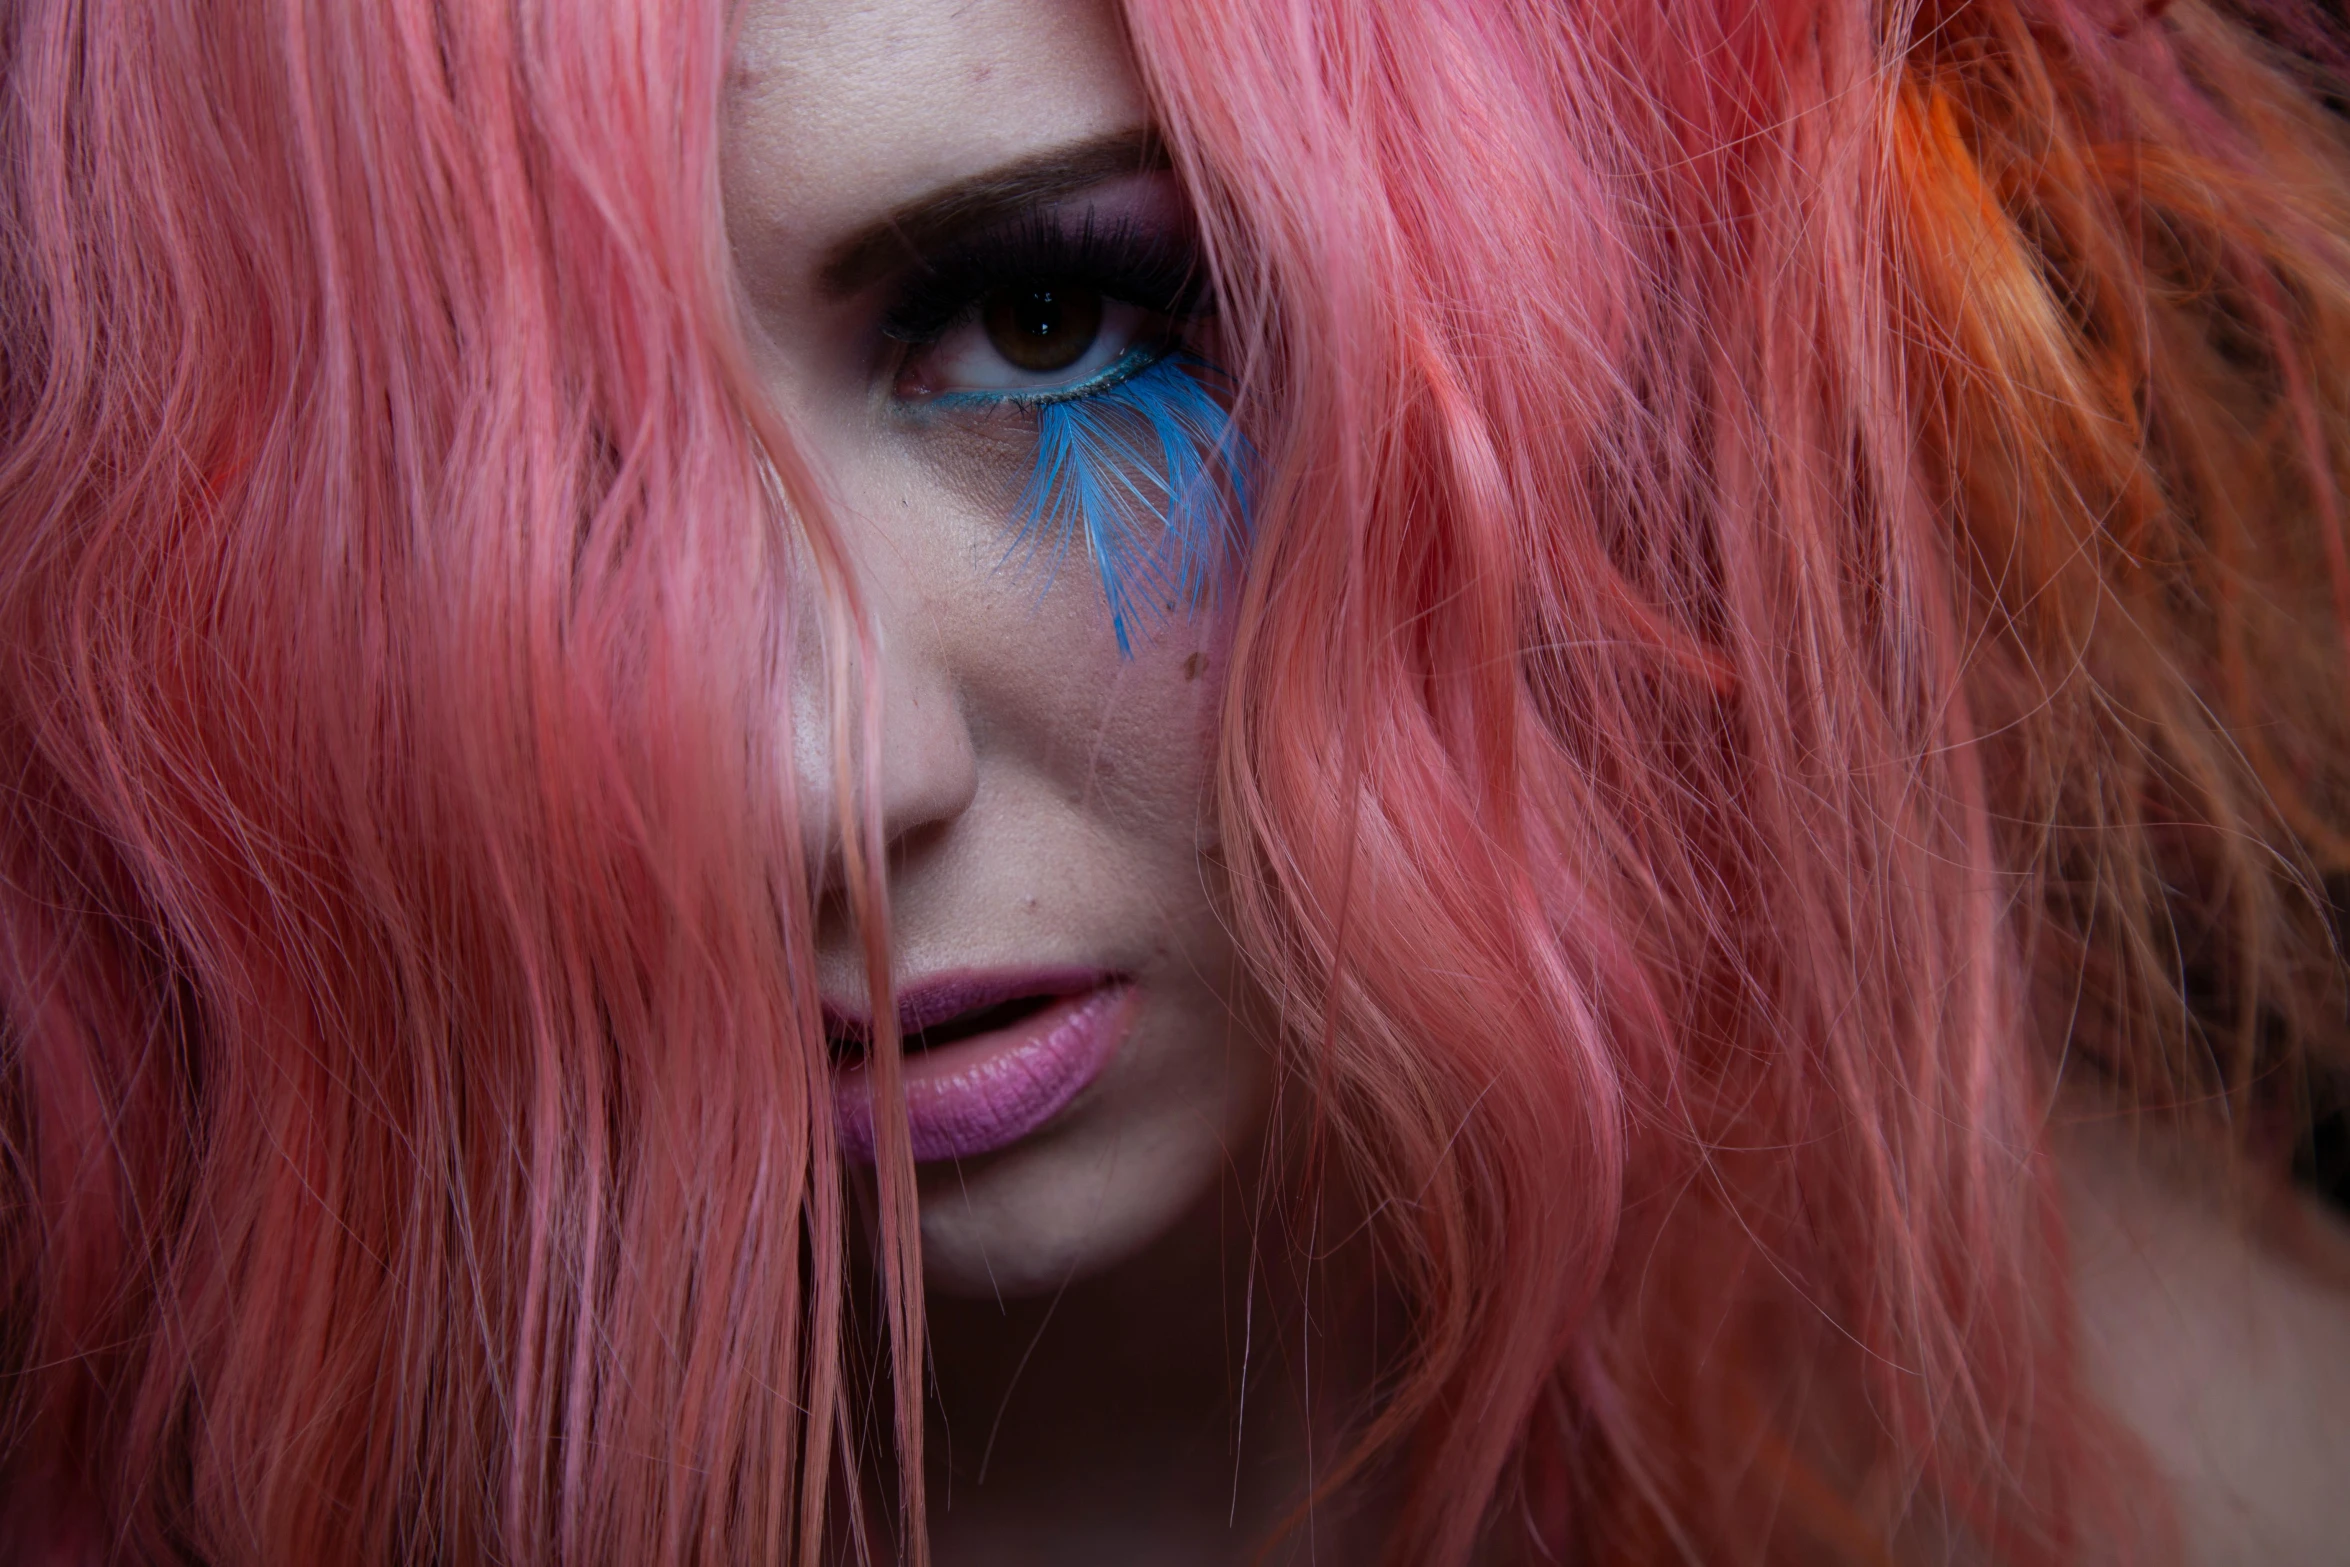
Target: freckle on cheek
{"points": [[1193, 665]]}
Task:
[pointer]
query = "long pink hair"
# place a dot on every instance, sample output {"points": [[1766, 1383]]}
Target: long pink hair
{"points": [[1801, 583]]}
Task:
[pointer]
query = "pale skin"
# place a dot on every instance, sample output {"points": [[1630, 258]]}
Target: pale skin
{"points": [[1042, 793], [2220, 1332], [1044, 799]]}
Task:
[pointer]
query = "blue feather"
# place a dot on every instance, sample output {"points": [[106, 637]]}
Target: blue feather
{"points": [[1149, 470]]}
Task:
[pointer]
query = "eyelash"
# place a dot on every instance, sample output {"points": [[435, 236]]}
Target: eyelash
{"points": [[1141, 264], [1147, 436]]}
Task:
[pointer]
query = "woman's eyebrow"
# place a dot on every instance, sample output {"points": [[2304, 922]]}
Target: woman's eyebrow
{"points": [[912, 231]]}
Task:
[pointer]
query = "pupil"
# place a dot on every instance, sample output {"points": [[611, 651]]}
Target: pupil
{"points": [[1044, 328]]}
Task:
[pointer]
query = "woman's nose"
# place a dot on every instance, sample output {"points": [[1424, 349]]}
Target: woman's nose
{"points": [[926, 769], [929, 769]]}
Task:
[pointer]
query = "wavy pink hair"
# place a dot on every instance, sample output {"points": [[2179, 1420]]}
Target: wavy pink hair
{"points": [[1773, 514]]}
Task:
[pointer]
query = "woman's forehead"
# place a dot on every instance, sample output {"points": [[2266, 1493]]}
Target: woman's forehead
{"points": [[839, 112]]}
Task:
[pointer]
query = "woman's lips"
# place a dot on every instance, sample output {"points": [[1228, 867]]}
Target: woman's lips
{"points": [[990, 1090]]}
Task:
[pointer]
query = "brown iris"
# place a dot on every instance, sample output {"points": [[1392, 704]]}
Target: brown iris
{"points": [[1043, 327]]}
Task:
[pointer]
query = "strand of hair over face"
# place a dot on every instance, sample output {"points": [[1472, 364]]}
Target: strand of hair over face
{"points": [[417, 1136]]}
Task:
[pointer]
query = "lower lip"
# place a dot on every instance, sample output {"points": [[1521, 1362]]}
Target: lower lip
{"points": [[980, 1094]]}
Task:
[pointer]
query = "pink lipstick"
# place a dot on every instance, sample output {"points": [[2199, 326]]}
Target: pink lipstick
{"points": [[990, 1057]]}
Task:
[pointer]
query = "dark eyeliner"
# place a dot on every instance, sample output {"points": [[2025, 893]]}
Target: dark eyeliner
{"points": [[1149, 265]]}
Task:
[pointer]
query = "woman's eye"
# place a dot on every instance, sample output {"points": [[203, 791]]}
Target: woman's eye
{"points": [[1032, 338], [1043, 328]]}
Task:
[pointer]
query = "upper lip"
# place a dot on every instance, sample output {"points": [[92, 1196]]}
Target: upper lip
{"points": [[936, 998]]}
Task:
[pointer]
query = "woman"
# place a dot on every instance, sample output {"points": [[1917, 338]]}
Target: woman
{"points": [[1425, 782]]}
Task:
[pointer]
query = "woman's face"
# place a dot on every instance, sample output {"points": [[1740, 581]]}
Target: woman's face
{"points": [[944, 212]]}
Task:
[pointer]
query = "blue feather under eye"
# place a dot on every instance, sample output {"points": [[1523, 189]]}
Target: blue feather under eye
{"points": [[1144, 464], [1137, 458]]}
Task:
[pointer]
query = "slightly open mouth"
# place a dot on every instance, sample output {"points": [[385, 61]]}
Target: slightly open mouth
{"points": [[850, 1039], [992, 1059]]}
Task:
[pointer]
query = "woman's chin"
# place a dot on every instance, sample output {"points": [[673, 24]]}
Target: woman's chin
{"points": [[1127, 1161], [1177, 1108], [1040, 1216]]}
